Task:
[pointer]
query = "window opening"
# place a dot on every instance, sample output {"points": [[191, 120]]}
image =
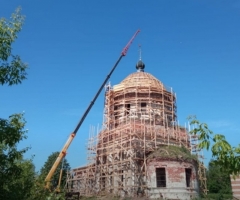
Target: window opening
{"points": [[104, 159], [103, 180], [143, 107], [188, 173], [161, 177], [127, 106], [143, 104], [122, 176], [111, 179]]}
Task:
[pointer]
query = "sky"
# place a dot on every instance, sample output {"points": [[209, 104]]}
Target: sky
{"points": [[70, 47]]}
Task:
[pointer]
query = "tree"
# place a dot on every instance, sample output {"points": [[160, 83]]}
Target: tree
{"points": [[12, 72], [224, 155], [23, 185], [16, 174], [218, 182], [48, 165]]}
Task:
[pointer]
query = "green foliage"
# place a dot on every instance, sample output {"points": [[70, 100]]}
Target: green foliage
{"points": [[48, 165], [218, 181], [38, 192], [22, 186], [224, 155], [12, 72], [218, 196], [17, 175], [12, 132], [173, 152]]}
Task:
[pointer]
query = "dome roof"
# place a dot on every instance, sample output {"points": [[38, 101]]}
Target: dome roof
{"points": [[140, 80]]}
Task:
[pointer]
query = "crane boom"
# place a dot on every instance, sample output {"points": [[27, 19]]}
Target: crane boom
{"points": [[73, 134]]}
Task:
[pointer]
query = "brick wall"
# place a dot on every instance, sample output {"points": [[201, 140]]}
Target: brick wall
{"points": [[176, 187], [236, 187]]}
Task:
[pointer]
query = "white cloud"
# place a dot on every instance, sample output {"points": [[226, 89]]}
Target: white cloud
{"points": [[225, 127], [219, 124]]}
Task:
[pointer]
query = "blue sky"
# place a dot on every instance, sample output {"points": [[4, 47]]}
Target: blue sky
{"points": [[70, 47]]}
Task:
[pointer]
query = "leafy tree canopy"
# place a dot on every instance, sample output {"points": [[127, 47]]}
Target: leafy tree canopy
{"points": [[224, 155], [218, 181], [12, 132], [17, 175], [12, 69]]}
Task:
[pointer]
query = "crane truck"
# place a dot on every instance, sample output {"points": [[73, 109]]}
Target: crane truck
{"points": [[63, 152]]}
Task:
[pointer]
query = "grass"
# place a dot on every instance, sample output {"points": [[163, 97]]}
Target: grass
{"points": [[173, 152]]}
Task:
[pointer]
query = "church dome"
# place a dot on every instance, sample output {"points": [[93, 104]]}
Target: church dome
{"points": [[140, 66], [140, 80]]}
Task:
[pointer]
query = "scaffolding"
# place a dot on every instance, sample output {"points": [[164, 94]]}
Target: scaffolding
{"points": [[139, 117], [82, 179]]}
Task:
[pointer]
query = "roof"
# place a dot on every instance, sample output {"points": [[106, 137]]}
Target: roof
{"points": [[140, 80]]}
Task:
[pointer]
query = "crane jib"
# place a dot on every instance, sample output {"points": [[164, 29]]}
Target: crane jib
{"points": [[124, 53], [72, 135], [96, 96]]}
